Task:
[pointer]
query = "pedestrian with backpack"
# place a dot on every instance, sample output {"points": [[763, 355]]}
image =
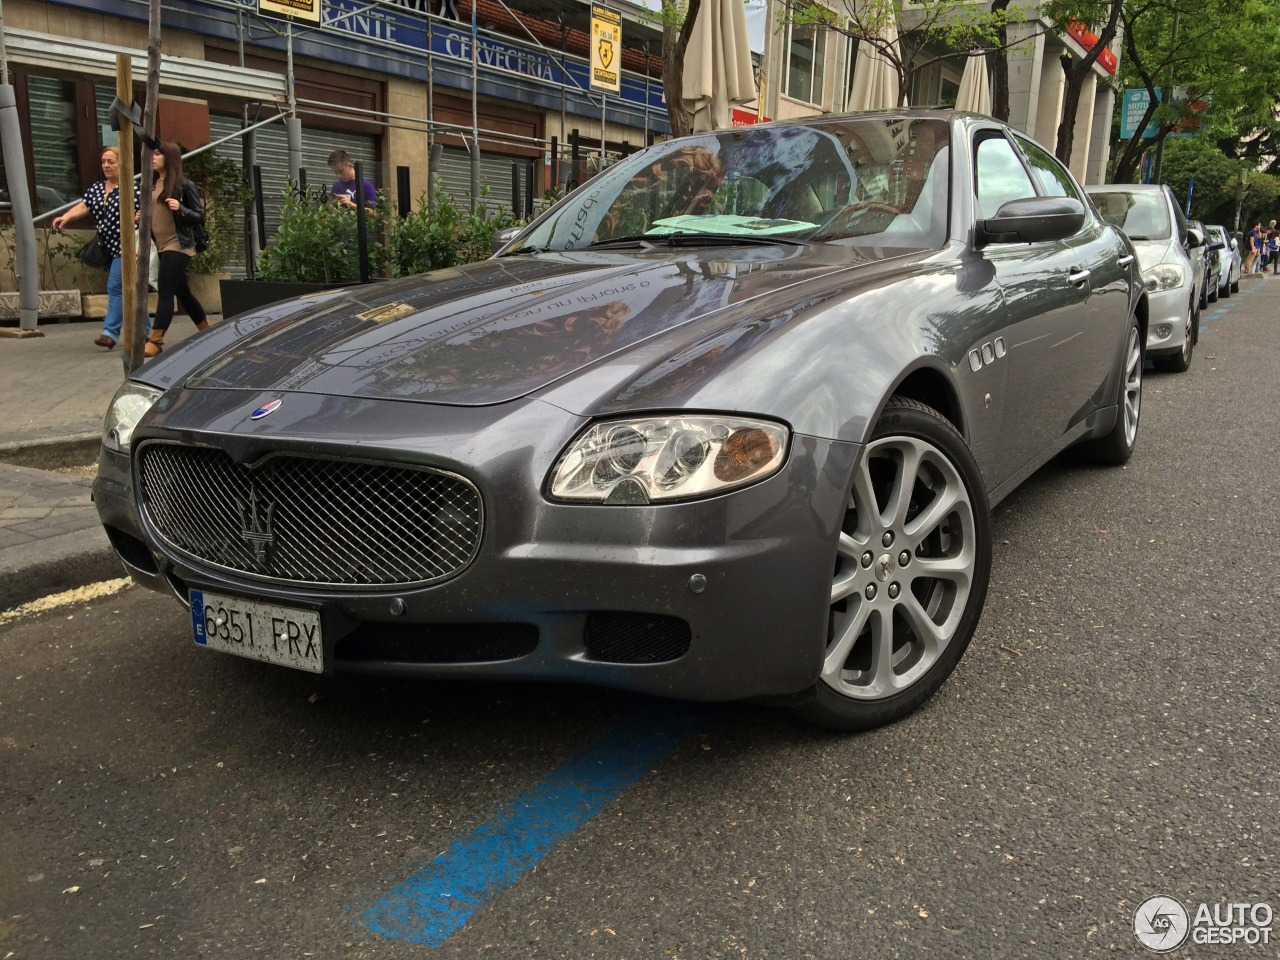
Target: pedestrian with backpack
{"points": [[177, 230]]}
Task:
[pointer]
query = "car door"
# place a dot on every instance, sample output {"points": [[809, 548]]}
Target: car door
{"points": [[1044, 306], [1103, 297]]}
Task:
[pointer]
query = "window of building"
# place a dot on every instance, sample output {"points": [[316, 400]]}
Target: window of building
{"points": [[806, 52], [53, 141]]}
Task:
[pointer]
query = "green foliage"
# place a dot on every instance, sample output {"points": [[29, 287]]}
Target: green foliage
{"points": [[1261, 200], [225, 193], [1216, 178], [316, 240], [427, 239]]}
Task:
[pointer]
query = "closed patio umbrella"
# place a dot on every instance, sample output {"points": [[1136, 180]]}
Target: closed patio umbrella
{"points": [[717, 65], [875, 81], [975, 92]]}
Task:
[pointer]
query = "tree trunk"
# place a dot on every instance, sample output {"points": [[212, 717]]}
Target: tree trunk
{"points": [[1078, 71], [998, 63], [675, 40], [137, 346], [1070, 105]]}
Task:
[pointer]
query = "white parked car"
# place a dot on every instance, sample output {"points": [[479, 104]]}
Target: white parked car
{"points": [[1171, 260], [1232, 262]]}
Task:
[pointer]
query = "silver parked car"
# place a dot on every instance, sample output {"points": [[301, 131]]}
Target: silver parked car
{"points": [[1170, 255], [1232, 262], [724, 422]]}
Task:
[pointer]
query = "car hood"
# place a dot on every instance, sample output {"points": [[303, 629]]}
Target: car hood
{"points": [[498, 330], [1152, 252]]}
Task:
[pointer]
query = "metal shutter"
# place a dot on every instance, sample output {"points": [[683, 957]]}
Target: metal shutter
{"points": [[273, 157], [53, 142], [495, 172]]}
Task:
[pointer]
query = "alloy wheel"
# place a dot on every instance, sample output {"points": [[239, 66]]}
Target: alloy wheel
{"points": [[1132, 387], [905, 567]]}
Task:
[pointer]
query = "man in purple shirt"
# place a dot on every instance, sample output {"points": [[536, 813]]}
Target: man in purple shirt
{"points": [[345, 189]]}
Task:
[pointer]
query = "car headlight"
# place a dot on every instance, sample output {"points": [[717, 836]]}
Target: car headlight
{"points": [[668, 458], [1164, 276], [127, 407]]}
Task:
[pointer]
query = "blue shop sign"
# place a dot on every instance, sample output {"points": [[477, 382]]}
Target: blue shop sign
{"points": [[454, 43]]}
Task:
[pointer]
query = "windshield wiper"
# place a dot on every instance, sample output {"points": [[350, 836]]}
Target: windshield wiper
{"points": [[681, 238], [529, 248]]}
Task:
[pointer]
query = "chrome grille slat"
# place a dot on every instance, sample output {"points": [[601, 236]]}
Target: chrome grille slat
{"points": [[334, 522]]}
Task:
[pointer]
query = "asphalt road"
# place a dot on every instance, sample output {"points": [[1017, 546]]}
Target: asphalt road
{"points": [[1109, 736]]}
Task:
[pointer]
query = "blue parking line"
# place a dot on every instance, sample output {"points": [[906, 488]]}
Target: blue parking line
{"points": [[437, 901]]}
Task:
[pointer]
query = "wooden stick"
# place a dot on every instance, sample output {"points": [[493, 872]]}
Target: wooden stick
{"points": [[128, 248]]}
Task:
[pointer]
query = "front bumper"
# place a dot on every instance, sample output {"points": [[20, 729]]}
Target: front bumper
{"points": [[766, 551], [1167, 319]]}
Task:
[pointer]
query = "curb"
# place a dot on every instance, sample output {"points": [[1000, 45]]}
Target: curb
{"points": [[47, 452], [59, 563]]}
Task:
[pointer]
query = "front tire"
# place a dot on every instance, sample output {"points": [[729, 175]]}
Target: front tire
{"points": [[911, 572], [1180, 362]]}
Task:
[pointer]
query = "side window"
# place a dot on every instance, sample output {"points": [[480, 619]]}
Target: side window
{"points": [[1053, 177], [998, 176]]}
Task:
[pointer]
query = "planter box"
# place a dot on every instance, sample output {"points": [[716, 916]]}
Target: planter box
{"points": [[52, 303], [95, 304], [242, 296], [207, 288]]}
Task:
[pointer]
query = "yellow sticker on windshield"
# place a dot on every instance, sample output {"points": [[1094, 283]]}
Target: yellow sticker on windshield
{"points": [[388, 311]]}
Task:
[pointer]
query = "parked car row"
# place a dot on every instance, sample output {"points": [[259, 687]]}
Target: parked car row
{"points": [[725, 422], [1185, 265]]}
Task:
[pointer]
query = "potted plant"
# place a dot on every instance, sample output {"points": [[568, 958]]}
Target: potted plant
{"points": [[226, 195], [314, 249]]}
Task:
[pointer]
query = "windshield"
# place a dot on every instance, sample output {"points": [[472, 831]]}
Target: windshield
{"points": [[1142, 214], [1219, 234], [866, 182]]}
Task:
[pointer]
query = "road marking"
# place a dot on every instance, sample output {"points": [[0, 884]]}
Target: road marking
{"points": [[436, 902]]}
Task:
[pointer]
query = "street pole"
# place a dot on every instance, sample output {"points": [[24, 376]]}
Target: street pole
{"points": [[1166, 94], [24, 228], [292, 125], [128, 245], [475, 114], [137, 350]]}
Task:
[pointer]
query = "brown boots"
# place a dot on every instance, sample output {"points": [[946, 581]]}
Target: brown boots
{"points": [[155, 343]]}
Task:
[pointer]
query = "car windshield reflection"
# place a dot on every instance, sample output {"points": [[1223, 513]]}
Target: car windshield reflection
{"points": [[859, 181]]}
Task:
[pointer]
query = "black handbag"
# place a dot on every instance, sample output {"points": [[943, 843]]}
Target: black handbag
{"points": [[92, 254]]}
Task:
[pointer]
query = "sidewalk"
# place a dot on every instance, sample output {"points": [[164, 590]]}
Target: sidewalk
{"points": [[54, 391]]}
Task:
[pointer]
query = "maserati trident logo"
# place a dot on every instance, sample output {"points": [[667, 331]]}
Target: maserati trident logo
{"points": [[266, 410], [255, 526]]}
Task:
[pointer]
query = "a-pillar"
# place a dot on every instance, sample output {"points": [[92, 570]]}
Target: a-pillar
{"points": [[1083, 128], [1104, 106]]}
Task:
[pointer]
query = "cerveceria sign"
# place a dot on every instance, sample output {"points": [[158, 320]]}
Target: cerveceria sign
{"points": [[606, 48]]}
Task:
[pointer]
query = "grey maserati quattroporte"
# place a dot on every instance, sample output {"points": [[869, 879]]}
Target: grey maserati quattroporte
{"points": [[725, 422]]}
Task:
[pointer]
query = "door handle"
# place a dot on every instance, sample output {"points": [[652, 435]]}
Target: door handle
{"points": [[1125, 260], [1078, 275]]}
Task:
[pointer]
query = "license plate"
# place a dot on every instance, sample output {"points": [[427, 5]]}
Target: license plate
{"points": [[262, 631]]}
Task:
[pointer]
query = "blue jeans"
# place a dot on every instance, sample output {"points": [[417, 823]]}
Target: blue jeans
{"points": [[114, 320]]}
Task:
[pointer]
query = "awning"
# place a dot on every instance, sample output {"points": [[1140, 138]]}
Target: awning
{"points": [[56, 55]]}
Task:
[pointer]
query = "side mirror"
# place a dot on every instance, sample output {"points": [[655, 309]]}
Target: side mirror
{"points": [[504, 236], [1194, 238], [1235, 244], [1033, 220]]}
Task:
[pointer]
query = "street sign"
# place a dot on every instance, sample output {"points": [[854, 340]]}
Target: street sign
{"points": [[606, 49], [294, 9], [1133, 106]]}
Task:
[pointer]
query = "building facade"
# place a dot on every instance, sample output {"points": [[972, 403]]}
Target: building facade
{"points": [[810, 71]]}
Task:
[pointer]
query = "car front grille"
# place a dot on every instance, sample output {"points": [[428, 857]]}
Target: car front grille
{"points": [[636, 638], [310, 520]]}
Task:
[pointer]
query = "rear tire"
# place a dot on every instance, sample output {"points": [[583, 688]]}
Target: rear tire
{"points": [[911, 573]]}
